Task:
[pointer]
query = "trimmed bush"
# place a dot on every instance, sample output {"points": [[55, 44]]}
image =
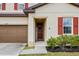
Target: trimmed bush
{"points": [[51, 42], [74, 41], [63, 41]]}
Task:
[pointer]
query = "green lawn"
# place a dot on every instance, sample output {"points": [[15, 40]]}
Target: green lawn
{"points": [[54, 54]]}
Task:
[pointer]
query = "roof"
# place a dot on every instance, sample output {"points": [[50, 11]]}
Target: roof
{"points": [[13, 15], [75, 4], [37, 5], [32, 8]]}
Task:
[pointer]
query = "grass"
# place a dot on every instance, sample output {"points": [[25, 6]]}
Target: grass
{"points": [[54, 54]]}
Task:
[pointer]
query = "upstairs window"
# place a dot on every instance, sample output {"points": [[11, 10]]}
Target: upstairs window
{"points": [[0, 6], [20, 6]]}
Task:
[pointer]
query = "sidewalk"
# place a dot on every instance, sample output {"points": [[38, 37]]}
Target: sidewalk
{"points": [[39, 49]]}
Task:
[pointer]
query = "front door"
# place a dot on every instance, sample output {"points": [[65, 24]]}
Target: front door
{"points": [[40, 32]]}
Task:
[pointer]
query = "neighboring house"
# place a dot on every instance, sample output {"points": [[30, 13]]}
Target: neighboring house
{"points": [[38, 22], [13, 23]]}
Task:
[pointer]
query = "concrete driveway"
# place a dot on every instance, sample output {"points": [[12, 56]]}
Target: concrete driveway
{"points": [[10, 49]]}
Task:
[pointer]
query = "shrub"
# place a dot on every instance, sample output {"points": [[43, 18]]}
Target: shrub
{"points": [[74, 41], [67, 39], [52, 42], [60, 40], [63, 41]]}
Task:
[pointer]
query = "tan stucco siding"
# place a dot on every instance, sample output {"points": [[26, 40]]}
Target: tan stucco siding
{"points": [[31, 30], [58, 7], [52, 12], [13, 21]]}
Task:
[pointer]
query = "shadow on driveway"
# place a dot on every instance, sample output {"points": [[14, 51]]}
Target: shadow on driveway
{"points": [[10, 49]]}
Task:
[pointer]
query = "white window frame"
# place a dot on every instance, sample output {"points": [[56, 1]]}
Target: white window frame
{"points": [[71, 26]]}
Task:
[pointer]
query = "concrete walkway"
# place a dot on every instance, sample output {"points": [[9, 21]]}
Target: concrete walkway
{"points": [[39, 49]]}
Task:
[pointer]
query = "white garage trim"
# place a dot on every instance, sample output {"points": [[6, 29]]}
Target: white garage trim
{"points": [[13, 21]]}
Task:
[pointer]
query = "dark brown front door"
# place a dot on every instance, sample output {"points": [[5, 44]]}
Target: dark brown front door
{"points": [[40, 32]]}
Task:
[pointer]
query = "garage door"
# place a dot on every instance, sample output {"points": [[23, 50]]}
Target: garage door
{"points": [[13, 34]]}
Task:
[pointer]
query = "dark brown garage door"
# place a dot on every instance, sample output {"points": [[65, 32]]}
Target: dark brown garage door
{"points": [[13, 34]]}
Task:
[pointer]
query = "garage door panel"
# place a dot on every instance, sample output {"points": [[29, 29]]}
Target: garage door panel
{"points": [[13, 34]]}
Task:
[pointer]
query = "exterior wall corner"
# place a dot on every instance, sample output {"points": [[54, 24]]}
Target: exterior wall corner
{"points": [[31, 35]]}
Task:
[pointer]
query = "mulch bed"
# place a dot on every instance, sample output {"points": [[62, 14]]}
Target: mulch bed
{"points": [[65, 49]]}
